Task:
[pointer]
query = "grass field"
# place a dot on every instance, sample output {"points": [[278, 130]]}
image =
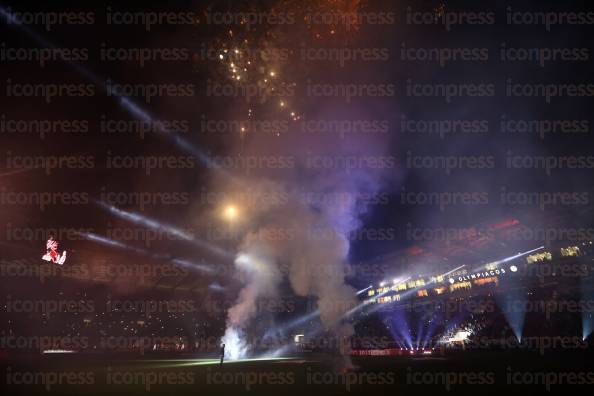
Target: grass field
{"points": [[474, 372]]}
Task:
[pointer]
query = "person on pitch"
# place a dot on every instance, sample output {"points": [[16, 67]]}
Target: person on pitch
{"points": [[222, 355]]}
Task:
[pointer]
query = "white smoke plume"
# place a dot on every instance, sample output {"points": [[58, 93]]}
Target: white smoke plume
{"points": [[304, 218], [261, 277], [312, 238]]}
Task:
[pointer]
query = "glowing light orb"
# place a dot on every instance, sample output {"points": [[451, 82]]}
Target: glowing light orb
{"points": [[231, 212]]}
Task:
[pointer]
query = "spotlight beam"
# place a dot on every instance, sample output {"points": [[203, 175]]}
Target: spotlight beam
{"points": [[127, 103], [455, 269], [364, 290], [169, 229], [119, 245], [510, 258], [292, 324]]}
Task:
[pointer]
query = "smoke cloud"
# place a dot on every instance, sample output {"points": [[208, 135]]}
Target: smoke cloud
{"points": [[306, 228]]}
